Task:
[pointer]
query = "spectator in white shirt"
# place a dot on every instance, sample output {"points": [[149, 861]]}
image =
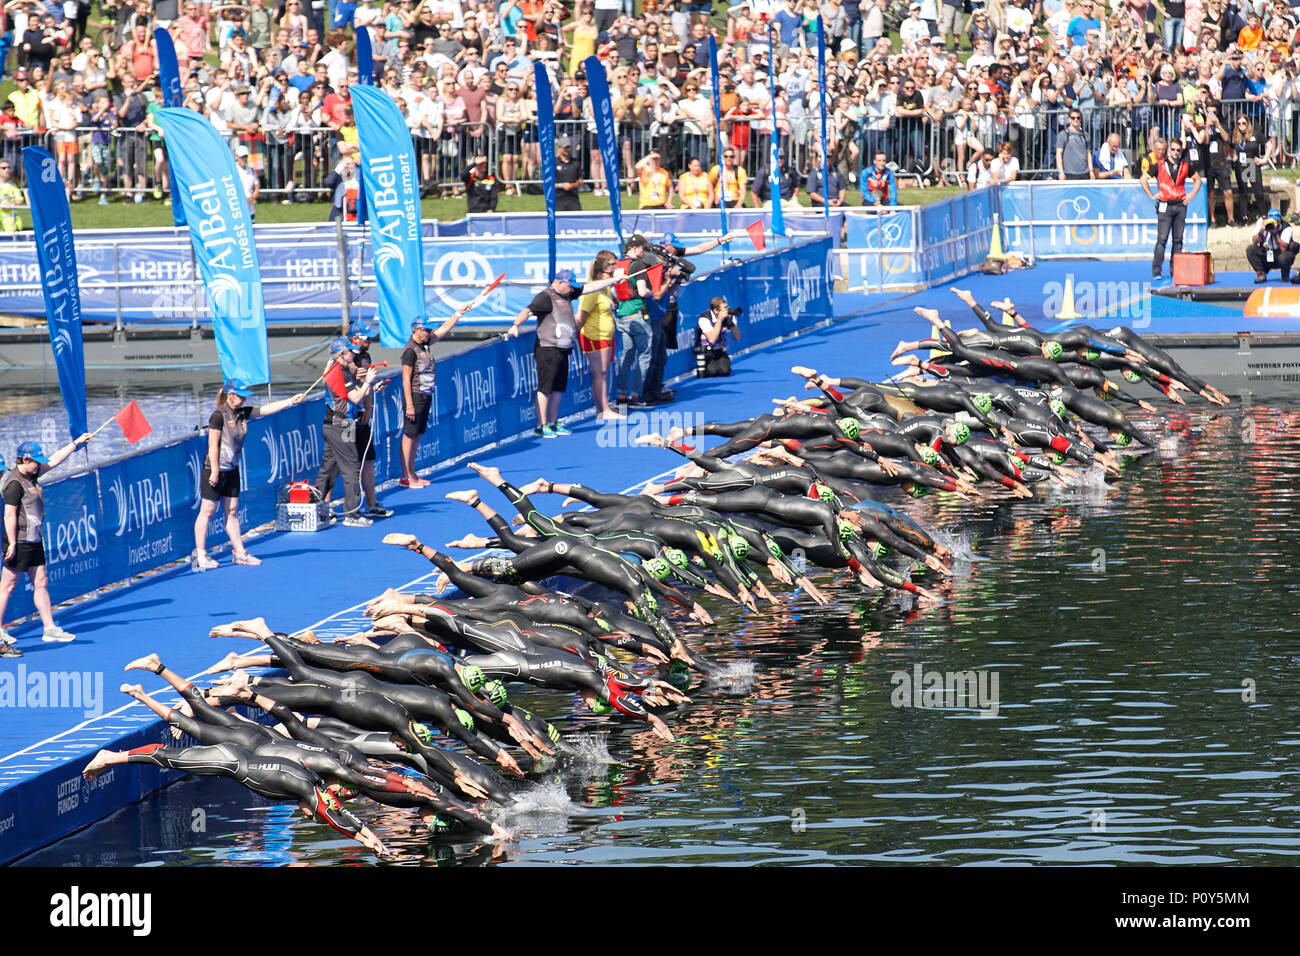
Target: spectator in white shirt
{"points": [[1005, 168], [980, 174], [1110, 161]]}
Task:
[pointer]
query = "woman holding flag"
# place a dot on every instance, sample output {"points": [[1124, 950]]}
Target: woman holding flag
{"points": [[219, 480]]}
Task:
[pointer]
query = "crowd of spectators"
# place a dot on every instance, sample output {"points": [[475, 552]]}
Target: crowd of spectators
{"points": [[955, 91]]}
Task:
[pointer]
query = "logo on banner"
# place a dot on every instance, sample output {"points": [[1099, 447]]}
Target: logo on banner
{"points": [[194, 465], [475, 390], [794, 286], [49, 170], [461, 269], [523, 374], [763, 309], [227, 295], [386, 255], [141, 504], [293, 453], [62, 341], [75, 538]]}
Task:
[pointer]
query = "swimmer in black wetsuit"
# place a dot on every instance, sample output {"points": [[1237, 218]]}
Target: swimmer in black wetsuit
{"points": [[272, 777]]}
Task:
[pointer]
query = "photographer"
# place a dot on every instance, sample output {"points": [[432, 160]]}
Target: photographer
{"points": [[661, 308], [711, 358], [1273, 247]]}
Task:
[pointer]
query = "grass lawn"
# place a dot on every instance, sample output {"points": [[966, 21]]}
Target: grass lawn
{"points": [[88, 214]]}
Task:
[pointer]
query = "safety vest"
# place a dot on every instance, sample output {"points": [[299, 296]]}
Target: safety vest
{"points": [[1171, 181], [654, 187], [695, 190], [11, 195], [351, 196]]}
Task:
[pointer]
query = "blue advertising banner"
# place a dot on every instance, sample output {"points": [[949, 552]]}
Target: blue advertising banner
{"points": [[882, 249], [603, 110], [57, 256], [365, 58], [221, 230], [169, 77], [715, 84], [390, 175], [1103, 220], [546, 142]]}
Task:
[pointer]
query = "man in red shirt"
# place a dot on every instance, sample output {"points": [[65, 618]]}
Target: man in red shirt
{"points": [[142, 53], [335, 105]]}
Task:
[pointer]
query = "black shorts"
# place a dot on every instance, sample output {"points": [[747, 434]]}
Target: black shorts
{"points": [[27, 555], [227, 484], [1218, 177], [414, 428], [552, 368], [365, 447]]}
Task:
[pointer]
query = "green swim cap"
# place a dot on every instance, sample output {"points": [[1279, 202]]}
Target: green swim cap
{"points": [[849, 426], [676, 556], [846, 530], [1131, 376], [472, 677], [495, 691], [773, 548], [423, 733], [679, 675], [599, 707], [824, 492], [650, 601], [657, 568], [879, 550], [739, 547], [1123, 439], [1058, 458], [1054, 350], [553, 734], [960, 433], [983, 401], [465, 719], [1058, 407], [1091, 354], [930, 457], [918, 490]]}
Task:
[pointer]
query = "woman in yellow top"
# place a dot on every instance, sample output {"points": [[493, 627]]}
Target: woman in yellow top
{"points": [[583, 42], [694, 186], [596, 333], [656, 185]]}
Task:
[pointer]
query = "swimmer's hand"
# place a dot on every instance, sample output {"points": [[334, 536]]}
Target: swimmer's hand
{"points": [[888, 467]]}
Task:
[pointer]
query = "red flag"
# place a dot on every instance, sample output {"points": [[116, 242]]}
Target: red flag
{"points": [[133, 423], [755, 230], [334, 380], [655, 276]]}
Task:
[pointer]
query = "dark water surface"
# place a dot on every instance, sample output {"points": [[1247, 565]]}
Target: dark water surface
{"points": [[1143, 638]]}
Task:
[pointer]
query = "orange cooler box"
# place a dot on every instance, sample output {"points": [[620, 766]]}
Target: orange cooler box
{"points": [[1193, 268]]}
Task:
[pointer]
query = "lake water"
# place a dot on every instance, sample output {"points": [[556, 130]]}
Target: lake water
{"points": [[1142, 635]]}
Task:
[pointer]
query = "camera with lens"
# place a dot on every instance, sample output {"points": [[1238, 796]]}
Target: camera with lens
{"points": [[656, 254]]}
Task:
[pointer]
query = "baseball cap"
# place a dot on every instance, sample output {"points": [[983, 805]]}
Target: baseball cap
{"points": [[20, 74], [562, 141], [30, 449], [419, 322], [360, 328], [236, 387], [638, 240], [566, 275], [241, 150], [340, 345], [670, 239]]}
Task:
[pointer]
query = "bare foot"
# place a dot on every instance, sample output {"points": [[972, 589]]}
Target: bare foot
{"points": [[227, 663], [930, 315], [803, 371], [490, 475], [964, 296], [656, 439], [400, 539], [469, 541], [132, 690], [539, 487], [98, 764], [902, 348], [465, 496], [151, 663]]}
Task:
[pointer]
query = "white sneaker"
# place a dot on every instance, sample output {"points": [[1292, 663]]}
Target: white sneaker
{"points": [[57, 635], [202, 562], [6, 637], [357, 521]]}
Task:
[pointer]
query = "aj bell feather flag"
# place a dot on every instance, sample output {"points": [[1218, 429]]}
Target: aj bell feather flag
{"points": [[52, 228], [221, 230], [169, 77], [603, 111], [546, 139], [389, 174]]}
